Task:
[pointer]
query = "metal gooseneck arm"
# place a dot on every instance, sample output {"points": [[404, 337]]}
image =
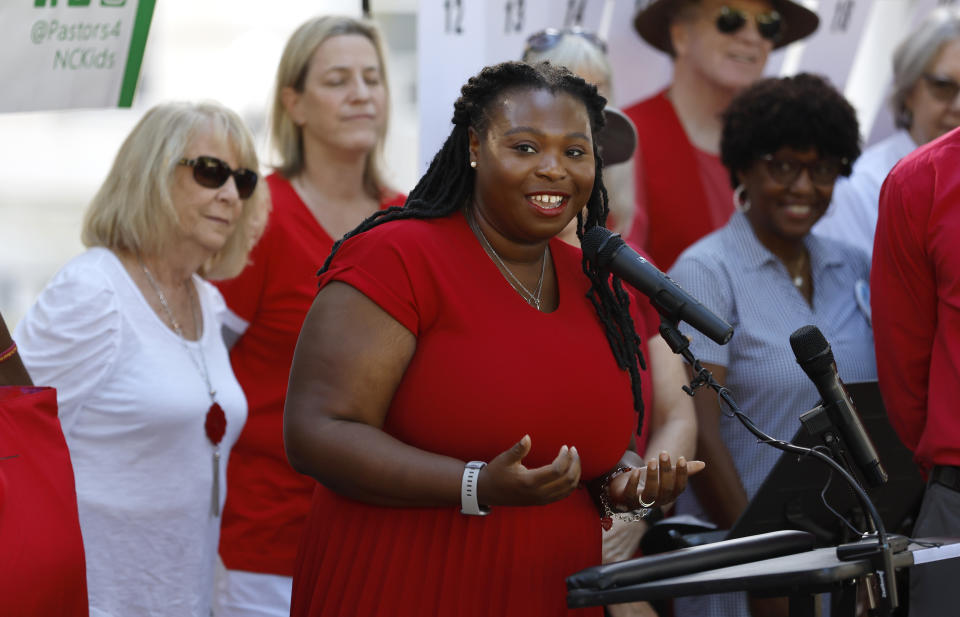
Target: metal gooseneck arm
{"points": [[881, 556]]}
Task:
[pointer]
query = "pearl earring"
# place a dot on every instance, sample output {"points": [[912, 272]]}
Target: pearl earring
{"points": [[473, 164]]}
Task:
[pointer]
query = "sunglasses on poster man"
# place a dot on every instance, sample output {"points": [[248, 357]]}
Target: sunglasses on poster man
{"points": [[211, 172], [769, 25]]}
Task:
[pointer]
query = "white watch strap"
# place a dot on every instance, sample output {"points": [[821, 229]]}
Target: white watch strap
{"points": [[468, 490]]}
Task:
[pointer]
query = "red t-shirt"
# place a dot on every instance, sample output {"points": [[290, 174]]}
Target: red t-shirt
{"points": [[42, 569], [682, 193], [267, 501], [488, 369]]}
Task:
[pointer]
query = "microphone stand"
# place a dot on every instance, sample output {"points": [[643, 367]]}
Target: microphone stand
{"points": [[877, 549]]}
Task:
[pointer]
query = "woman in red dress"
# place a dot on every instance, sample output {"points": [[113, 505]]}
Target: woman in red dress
{"points": [[441, 335], [328, 125]]}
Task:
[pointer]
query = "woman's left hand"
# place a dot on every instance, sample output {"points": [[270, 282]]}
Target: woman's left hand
{"points": [[657, 484]]}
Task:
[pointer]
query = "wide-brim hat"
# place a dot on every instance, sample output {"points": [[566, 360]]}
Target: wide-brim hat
{"points": [[617, 138], [653, 22]]}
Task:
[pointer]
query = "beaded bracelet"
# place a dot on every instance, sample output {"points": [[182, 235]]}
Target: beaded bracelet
{"points": [[608, 515], [8, 352]]}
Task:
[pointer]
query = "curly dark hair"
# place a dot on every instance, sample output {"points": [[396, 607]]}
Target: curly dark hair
{"points": [[448, 187], [799, 112]]}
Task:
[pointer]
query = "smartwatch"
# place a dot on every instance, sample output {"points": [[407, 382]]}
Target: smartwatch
{"points": [[468, 490]]}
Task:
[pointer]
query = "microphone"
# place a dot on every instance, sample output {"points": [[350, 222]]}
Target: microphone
{"points": [[610, 252], [815, 357]]}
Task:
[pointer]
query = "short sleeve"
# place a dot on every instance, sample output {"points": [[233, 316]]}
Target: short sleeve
{"points": [[376, 267], [703, 279], [69, 339]]}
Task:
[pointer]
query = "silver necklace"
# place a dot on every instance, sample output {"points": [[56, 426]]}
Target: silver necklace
{"points": [[215, 421], [532, 298]]}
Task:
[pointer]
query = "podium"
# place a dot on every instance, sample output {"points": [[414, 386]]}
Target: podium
{"points": [[799, 576]]}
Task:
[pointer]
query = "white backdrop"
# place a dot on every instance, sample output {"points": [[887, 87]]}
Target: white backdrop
{"points": [[52, 162], [852, 47]]}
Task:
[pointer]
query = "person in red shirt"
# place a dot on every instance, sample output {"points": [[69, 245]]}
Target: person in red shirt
{"points": [[42, 571], [915, 305], [719, 47], [463, 373], [328, 125]]}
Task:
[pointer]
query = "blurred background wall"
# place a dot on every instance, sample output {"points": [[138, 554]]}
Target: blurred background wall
{"points": [[52, 162]]}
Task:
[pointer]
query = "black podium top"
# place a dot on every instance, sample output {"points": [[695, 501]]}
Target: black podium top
{"points": [[813, 571]]}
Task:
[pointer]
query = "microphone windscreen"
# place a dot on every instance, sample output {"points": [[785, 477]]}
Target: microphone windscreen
{"points": [[600, 245], [593, 239], [811, 348]]}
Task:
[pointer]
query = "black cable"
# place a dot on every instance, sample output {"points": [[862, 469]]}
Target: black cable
{"points": [[883, 560], [843, 519]]}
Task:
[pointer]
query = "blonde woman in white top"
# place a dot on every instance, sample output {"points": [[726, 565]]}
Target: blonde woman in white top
{"points": [[129, 334]]}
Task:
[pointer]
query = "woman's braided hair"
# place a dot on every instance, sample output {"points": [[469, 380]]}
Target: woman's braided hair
{"points": [[449, 182]]}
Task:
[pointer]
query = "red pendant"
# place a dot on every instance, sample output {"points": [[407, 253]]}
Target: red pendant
{"points": [[215, 424]]}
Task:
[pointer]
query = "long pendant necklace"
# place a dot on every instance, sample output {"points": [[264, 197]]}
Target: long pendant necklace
{"points": [[215, 423], [533, 299]]}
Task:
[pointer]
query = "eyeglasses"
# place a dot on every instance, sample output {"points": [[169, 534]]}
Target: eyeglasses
{"points": [[551, 37], [213, 173], [823, 172], [943, 89], [769, 25]]}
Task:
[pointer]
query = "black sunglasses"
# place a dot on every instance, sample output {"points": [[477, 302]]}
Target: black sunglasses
{"points": [[943, 89], [551, 37], [823, 172], [769, 25], [211, 172]]}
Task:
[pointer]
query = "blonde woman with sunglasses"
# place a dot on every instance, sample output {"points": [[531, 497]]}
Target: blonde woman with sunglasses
{"points": [[129, 333]]}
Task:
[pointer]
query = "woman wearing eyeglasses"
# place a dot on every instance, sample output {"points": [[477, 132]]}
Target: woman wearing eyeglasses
{"points": [[329, 124], [785, 142], [718, 47], [926, 105], [129, 335]]}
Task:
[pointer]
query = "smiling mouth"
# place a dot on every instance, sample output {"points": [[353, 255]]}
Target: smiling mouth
{"points": [[799, 210], [743, 58], [547, 201]]}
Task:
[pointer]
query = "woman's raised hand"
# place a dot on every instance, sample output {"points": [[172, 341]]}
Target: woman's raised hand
{"points": [[506, 482], [659, 483]]}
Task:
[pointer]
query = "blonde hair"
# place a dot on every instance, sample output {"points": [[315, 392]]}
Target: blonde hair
{"points": [[133, 210], [286, 136]]}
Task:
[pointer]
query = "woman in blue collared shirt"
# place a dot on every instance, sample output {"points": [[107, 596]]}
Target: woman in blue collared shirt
{"points": [[785, 142]]}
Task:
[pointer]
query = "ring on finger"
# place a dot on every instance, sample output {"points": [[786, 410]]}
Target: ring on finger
{"points": [[644, 504]]}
